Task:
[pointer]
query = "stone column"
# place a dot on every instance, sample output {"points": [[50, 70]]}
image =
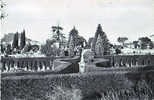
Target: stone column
{"points": [[12, 64], [8, 65], [38, 66]]}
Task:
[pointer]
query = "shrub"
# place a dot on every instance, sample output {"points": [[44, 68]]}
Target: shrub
{"points": [[27, 48], [60, 93], [49, 49]]}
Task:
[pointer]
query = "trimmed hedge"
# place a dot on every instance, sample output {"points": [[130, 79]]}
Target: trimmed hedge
{"points": [[35, 87]]}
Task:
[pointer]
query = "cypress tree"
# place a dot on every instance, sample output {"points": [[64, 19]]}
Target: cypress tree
{"points": [[15, 41], [22, 40], [100, 44], [2, 49]]}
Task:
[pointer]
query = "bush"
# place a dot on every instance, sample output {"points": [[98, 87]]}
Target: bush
{"points": [[27, 48], [49, 49], [60, 93], [118, 51]]}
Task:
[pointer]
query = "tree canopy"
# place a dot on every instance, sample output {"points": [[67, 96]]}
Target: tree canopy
{"points": [[101, 43], [122, 39]]}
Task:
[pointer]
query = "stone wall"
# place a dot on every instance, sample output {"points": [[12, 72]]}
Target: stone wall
{"points": [[32, 63], [61, 66], [131, 60], [127, 63]]}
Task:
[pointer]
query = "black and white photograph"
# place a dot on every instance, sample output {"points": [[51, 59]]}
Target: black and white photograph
{"points": [[76, 49]]}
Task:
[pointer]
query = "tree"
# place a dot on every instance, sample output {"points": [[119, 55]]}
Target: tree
{"points": [[151, 45], [15, 41], [27, 48], [71, 47], [100, 38], [22, 40], [122, 40], [2, 48], [98, 48], [57, 34], [49, 49], [135, 44], [144, 42], [76, 39], [81, 40], [118, 51], [8, 49], [73, 36]]}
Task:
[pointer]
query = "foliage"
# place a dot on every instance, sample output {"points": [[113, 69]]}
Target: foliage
{"points": [[49, 49], [61, 93], [35, 48], [122, 39], [81, 40], [101, 45], [26, 48], [98, 48], [136, 44], [118, 51], [58, 36], [151, 44], [71, 47], [56, 30], [144, 41], [8, 49], [75, 39], [22, 40], [15, 41], [2, 48]]}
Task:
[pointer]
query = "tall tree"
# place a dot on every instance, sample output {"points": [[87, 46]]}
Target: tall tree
{"points": [[2, 48], [22, 40], [71, 47], [48, 49], [15, 41], [73, 35], [57, 34], [100, 38], [8, 49], [76, 39]]}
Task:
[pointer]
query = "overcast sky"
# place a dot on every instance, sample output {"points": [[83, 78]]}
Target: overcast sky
{"points": [[130, 18]]}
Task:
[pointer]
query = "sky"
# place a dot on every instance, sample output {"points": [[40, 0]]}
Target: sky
{"points": [[124, 18]]}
